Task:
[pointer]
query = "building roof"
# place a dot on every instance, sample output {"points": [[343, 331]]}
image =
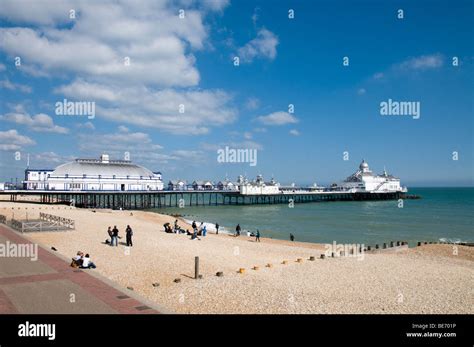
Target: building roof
{"points": [[96, 167]]}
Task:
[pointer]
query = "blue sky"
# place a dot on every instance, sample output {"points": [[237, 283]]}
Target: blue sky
{"points": [[189, 61]]}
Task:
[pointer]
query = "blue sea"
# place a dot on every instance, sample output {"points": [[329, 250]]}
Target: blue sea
{"points": [[442, 214]]}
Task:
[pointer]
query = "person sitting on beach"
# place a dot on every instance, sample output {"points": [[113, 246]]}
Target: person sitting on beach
{"points": [[188, 232], [77, 260], [237, 230], [115, 236], [86, 263]]}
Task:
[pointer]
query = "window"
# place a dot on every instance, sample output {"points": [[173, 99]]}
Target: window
{"points": [[84, 176], [113, 176]]}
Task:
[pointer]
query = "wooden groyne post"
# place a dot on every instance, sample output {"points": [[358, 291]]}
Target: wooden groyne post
{"points": [[196, 268]]}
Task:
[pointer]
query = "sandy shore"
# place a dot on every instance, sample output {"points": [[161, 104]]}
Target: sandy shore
{"points": [[427, 279]]}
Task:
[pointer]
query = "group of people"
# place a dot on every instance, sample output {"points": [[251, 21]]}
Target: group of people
{"points": [[114, 236], [82, 261], [256, 234], [202, 230]]}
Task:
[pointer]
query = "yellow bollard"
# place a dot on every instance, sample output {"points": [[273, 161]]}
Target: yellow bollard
{"points": [[241, 270], [285, 262]]}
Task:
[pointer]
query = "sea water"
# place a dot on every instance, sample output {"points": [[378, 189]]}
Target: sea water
{"points": [[442, 214]]}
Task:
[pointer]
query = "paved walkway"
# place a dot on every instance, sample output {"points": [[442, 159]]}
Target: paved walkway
{"points": [[50, 285]]}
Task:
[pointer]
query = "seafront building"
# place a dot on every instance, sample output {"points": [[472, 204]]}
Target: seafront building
{"points": [[258, 187], [364, 180], [94, 175], [177, 185], [227, 185]]}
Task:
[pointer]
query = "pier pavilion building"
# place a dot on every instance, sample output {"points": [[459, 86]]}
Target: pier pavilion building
{"points": [[94, 175]]}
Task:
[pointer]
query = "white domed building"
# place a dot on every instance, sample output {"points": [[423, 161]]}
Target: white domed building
{"points": [[94, 175], [258, 187], [364, 180]]}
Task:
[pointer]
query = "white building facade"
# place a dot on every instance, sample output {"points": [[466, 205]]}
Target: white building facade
{"points": [[258, 187], [94, 175], [364, 180]]}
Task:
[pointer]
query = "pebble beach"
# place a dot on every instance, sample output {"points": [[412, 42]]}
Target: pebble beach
{"points": [[433, 278]]}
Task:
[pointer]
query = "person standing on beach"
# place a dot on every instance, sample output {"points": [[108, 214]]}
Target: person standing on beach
{"points": [[204, 231], [292, 237], [114, 236], [257, 236], [217, 229], [109, 232], [237, 230], [129, 233]]}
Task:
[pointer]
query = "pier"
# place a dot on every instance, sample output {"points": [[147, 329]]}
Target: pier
{"points": [[140, 200]]}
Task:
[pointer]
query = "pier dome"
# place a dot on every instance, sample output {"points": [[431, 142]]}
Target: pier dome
{"points": [[363, 165], [103, 167]]}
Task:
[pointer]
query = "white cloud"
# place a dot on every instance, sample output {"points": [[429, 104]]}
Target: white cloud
{"points": [[423, 62], [86, 125], [294, 132], [139, 145], [123, 129], [252, 103], [11, 140], [255, 15], [6, 84], [263, 46], [248, 135], [215, 5], [159, 109], [39, 122], [277, 118], [361, 91], [45, 159], [162, 73], [378, 76]]}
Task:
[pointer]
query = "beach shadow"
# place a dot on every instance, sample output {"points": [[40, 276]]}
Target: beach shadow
{"points": [[184, 275]]}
